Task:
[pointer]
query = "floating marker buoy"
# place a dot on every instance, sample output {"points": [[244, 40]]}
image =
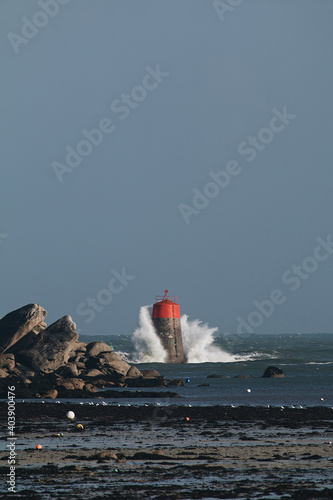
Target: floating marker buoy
{"points": [[321, 399], [248, 390], [70, 414], [39, 447], [187, 418], [188, 380], [79, 427]]}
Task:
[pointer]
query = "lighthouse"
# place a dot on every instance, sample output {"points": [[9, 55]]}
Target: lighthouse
{"points": [[166, 320]]}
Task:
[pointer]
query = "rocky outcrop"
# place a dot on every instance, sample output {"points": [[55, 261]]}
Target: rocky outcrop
{"points": [[51, 362], [95, 348], [273, 371], [18, 323], [51, 347]]}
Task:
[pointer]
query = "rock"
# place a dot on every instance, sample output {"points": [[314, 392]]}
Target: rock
{"points": [[104, 455], [90, 388], [273, 372], [71, 383], [214, 375], [50, 349], [52, 394], [150, 373], [94, 373], [133, 372], [95, 348], [79, 348], [243, 376], [176, 382], [7, 361], [39, 328], [18, 323], [3, 373], [114, 361], [69, 370]]}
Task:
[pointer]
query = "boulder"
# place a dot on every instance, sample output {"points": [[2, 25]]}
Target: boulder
{"points": [[69, 370], [150, 373], [114, 361], [95, 348], [52, 394], [50, 349], [176, 382], [7, 361], [273, 372], [133, 372], [78, 349], [18, 323], [3, 373], [94, 373], [71, 383], [90, 388]]}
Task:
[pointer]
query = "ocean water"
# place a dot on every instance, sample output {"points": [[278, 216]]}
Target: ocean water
{"points": [[306, 360]]}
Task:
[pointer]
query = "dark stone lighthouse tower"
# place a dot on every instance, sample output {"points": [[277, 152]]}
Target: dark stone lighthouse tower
{"points": [[166, 320]]}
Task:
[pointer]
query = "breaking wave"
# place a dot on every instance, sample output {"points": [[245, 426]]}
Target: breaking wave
{"points": [[198, 341], [148, 347]]}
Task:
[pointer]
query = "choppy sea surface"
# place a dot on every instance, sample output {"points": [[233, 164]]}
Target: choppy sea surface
{"points": [[306, 360]]}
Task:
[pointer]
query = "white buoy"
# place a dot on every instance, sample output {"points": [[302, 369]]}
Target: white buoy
{"points": [[321, 399], [70, 414], [248, 390]]}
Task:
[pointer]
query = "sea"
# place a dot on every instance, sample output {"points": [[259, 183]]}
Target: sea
{"points": [[239, 361]]}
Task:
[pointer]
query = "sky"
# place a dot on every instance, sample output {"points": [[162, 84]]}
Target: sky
{"points": [[168, 144]]}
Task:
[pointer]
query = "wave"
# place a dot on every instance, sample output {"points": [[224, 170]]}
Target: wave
{"points": [[148, 347], [198, 342]]}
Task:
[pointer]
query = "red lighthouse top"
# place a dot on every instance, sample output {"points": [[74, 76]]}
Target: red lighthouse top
{"points": [[172, 298], [166, 308]]}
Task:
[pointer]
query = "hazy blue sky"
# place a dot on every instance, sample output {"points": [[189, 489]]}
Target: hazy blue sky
{"points": [[180, 89]]}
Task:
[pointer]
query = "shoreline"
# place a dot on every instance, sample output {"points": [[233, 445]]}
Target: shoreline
{"points": [[170, 452]]}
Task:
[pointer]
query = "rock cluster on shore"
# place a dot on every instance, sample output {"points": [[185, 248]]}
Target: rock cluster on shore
{"points": [[51, 362]]}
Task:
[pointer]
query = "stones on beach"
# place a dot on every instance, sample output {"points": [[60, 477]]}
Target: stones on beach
{"points": [[273, 372]]}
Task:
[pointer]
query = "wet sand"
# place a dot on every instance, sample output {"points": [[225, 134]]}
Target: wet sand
{"points": [[170, 452]]}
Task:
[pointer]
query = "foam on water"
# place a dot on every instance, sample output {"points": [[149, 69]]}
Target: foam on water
{"points": [[148, 347], [198, 341]]}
